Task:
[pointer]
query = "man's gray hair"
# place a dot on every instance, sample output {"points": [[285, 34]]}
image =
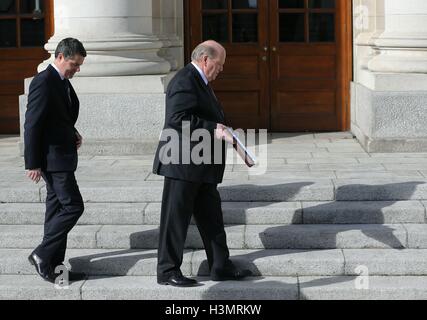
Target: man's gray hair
{"points": [[69, 47], [203, 50]]}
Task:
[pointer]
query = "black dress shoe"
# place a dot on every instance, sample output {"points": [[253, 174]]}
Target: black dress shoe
{"points": [[42, 269], [234, 274], [177, 280]]}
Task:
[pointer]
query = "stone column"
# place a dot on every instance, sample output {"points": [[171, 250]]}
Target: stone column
{"points": [[402, 46], [389, 93], [170, 26], [118, 36], [133, 46]]}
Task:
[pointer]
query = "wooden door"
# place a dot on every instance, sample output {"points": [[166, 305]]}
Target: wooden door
{"points": [[243, 85], [288, 64], [309, 65], [25, 26]]}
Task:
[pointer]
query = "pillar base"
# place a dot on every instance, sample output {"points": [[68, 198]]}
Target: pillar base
{"points": [[389, 121]]}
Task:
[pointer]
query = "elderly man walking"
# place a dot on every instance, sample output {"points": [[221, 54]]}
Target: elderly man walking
{"points": [[190, 188]]}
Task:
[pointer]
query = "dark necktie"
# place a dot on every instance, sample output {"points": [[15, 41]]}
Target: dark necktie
{"points": [[212, 92], [67, 90], [216, 99]]}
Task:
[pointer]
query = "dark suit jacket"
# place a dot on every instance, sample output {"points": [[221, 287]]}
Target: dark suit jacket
{"points": [[50, 135], [189, 99]]}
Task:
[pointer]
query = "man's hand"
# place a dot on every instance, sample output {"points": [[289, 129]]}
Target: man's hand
{"points": [[221, 133], [34, 175], [79, 140]]}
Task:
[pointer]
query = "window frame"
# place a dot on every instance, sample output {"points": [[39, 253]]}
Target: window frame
{"points": [[18, 17]]}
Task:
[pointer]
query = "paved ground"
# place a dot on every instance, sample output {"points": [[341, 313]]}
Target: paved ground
{"points": [[325, 155], [321, 208]]}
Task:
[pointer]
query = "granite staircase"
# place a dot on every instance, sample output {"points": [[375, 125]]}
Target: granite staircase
{"points": [[325, 221]]}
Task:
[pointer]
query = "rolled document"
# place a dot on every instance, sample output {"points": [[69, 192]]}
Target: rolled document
{"points": [[244, 153]]}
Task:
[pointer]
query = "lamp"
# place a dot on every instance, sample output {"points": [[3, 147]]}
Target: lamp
{"points": [[37, 13]]}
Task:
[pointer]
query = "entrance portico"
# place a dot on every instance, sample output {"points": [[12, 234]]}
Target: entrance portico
{"points": [[270, 80]]}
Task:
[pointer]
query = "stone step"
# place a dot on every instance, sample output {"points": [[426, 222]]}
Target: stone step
{"points": [[124, 213], [327, 212], [267, 262], [31, 287], [361, 212], [330, 212], [327, 236], [261, 190]]}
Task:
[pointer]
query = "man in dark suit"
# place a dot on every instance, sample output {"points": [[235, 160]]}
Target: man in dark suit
{"points": [[190, 187], [51, 143]]}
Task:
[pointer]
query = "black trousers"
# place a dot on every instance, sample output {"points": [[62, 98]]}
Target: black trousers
{"points": [[181, 200], [64, 206]]}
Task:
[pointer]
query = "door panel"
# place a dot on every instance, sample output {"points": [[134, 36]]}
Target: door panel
{"points": [[305, 65], [8, 109], [239, 66]]}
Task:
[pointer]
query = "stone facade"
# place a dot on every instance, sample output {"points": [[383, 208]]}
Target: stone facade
{"points": [[389, 92], [135, 46]]}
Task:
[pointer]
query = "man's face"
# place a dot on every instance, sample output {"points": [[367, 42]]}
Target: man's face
{"points": [[70, 66], [212, 67]]}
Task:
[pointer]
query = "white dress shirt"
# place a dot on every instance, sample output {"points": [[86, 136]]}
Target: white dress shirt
{"points": [[201, 73], [56, 68]]}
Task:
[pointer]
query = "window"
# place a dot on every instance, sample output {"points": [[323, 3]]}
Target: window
{"points": [[307, 21], [234, 21], [22, 23]]}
